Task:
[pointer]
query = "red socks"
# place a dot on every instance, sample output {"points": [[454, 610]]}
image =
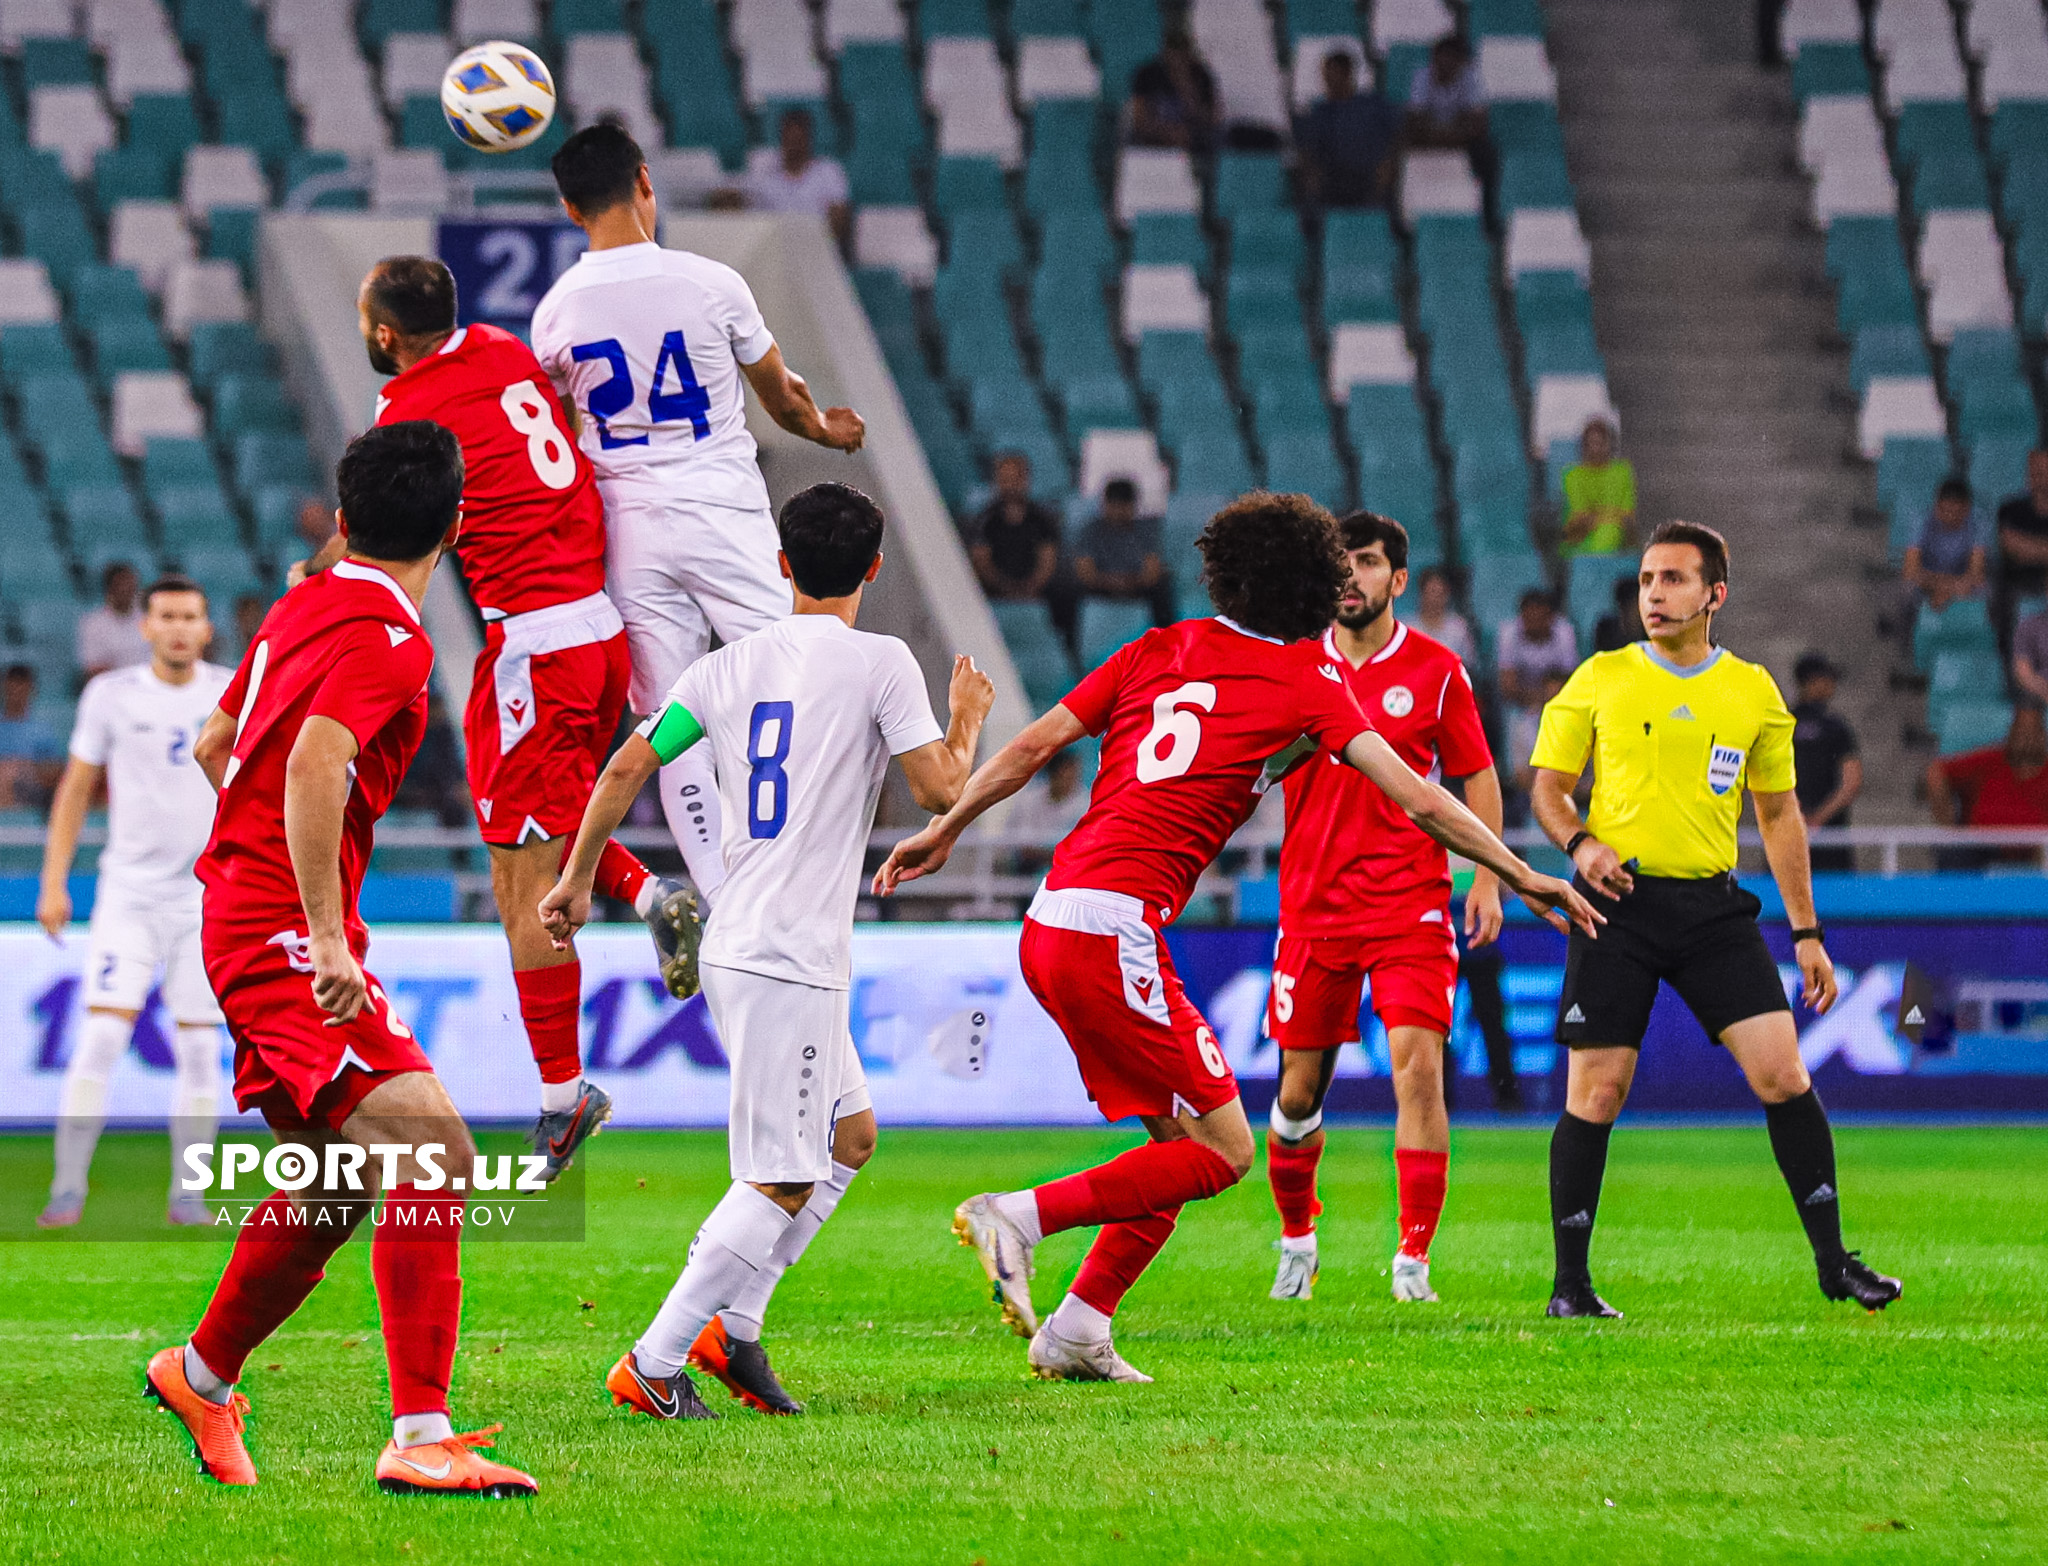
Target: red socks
{"points": [[1422, 1177], [548, 1000], [620, 874], [416, 1259], [1157, 1178], [1120, 1253], [279, 1256], [1291, 1167]]}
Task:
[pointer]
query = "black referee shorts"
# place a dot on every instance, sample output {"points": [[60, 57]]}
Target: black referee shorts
{"points": [[1698, 936]]}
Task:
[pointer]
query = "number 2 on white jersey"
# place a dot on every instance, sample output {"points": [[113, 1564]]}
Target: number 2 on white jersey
{"points": [[553, 458], [1169, 750]]}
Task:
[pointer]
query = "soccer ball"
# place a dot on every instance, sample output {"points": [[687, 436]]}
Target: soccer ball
{"points": [[497, 96]]}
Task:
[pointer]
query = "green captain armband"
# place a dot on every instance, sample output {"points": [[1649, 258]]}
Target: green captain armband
{"points": [[671, 731]]}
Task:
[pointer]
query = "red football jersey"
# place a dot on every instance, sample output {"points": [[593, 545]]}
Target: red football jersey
{"points": [[348, 645], [1350, 850], [532, 518], [1189, 715]]}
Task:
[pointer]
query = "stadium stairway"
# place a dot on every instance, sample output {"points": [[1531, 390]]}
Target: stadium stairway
{"points": [[1718, 331]]}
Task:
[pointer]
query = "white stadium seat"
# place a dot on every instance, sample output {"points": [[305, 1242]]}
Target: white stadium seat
{"points": [[223, 177], [1236, 39], [1857, 189], [107, 21], [1125, 454], [150, 237], [1547, 239], [1910, 24], [413, 63], [1155, 179], [1410, 22], [1564, 404], [1839, 127], [1994, 25], [1899, 405], [604, 74], [480, 21], [962, 68], [1513, 70], [896, 238], [1305, 81], [685, 176], [981, 128], [1438, 183], [346, 119], [862, 21], [145, 62], [1055, 68], [1163, 299], [408, 181], [1819, 21], [26, 297], [201, 292], [1374, 354], [2015, 72], [149, 403], [1963, 263], [1931, 73], [25, 19], [71, 122]]}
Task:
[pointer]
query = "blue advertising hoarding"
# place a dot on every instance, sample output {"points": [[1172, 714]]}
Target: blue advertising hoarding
{"points": [[502, 267]]}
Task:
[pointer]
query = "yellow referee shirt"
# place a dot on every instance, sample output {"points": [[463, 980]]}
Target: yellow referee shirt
{"points": [[1672, 750]]}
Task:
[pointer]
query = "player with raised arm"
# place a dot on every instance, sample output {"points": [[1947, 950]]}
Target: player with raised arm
{"points": [[1189, 716], [309, 743], [655, 348], [135, 730], [549, 686], [802, 719], [1366, 893]]}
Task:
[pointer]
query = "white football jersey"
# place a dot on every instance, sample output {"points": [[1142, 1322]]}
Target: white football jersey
{"points": [[648, 344], [802, 719], [159, 804]]}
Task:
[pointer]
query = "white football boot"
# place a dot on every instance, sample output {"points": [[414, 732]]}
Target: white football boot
{"points": [[1054, 1358], [1411, 1279], [1005, 1256], [1296, 1279]]}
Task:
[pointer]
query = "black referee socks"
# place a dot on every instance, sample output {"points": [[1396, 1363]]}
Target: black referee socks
{"points": [[1805, 1150], [1578, 1163]]}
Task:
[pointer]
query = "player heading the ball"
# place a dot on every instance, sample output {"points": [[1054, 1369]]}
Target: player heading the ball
{"points": [[1189, 716]]}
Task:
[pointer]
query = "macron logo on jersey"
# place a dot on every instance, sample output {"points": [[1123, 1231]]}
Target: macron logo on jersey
{"points": [[1329, 672], [397, 636]]}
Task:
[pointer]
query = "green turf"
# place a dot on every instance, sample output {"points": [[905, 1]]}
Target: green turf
{"points": [[1733, 1415]]}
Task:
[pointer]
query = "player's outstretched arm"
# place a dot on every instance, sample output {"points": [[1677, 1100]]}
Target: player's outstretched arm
{"points": [[1783, 828], [1008, 770], [1437, 811], [75, 790], [316, 788], [787, 397], [938, 771], [215, 747], [566, 908]]}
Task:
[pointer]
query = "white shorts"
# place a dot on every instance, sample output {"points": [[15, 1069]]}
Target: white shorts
{"points": [[133, 935], [680, 570], [794, 1072]]}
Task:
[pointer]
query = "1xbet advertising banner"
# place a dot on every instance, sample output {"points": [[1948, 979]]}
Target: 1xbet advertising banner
{"points": [[951, 1036]]}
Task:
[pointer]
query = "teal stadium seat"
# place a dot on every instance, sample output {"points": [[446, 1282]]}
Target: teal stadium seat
{"points": [[135, 173], [1908, 472], [1036, 649], [164, 123], [1825, 70], [218, 348], [1125, 34], [1973, 723], [1964, 626], [1107, 624], [1248, 182], [953, 19], [1589, 588], [127, 342], [1046, 19], [1888, 348]]}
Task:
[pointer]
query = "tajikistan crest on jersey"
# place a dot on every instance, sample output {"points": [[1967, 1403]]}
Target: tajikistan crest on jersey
{"points": [[1398, 701]]}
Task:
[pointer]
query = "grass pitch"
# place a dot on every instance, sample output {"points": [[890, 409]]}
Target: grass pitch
{"points": [[1733, 1416]]}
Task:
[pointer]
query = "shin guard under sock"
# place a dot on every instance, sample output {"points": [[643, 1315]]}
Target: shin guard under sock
{"points": [[1291, 1169], [1420, 1176], [416, 1260]]}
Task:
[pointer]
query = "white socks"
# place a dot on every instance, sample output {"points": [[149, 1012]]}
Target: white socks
{"points": [[420, 1429], [558, 1096], [1021, 1208], [82, 1104], [1079, 1322], [1305, 1243], [737, 1241], [689, 798], [204, 1381], [744, 1315], [195, 1100], [644, 898]]}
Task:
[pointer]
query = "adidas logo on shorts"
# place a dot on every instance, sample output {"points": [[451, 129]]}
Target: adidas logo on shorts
{"points": [[1575, 1015]]}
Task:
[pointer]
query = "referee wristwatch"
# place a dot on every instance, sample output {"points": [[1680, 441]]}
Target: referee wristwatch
{"points": [[1811, 932]]}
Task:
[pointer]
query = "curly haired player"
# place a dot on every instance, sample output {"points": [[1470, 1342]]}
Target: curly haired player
{"points": [[1189, 715]]}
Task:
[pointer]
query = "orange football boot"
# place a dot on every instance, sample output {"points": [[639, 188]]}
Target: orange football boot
{"points": [[215, 1428], [450, 1467], [655, 1396], [742, 1367]]}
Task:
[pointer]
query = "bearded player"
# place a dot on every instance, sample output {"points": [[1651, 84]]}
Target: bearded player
{"points": [[550, 684], [1189, 716], [309, 743], [1364, 893]]}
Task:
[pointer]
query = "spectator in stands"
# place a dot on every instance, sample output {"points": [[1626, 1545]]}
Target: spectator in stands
{"points": [[110, 633], [1348, 140], [1536, 646], [1117, 555], [2030, 659], [2023, 542], [1946, 562], [1599, 496], [1050, 807], [798, 180], [1998, 786], [1173, 98], [1824, 756], [1014, 541], [31, 755], [1437, 618], [1624, 622], [1447, 105]]}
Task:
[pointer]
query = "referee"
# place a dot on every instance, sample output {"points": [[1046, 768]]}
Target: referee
{"points": [[1677, 727]]}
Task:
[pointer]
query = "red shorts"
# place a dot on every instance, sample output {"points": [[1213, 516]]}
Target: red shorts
{"points": [[1103, 974], [1317, 981], [288, 1062], [544, 704]]}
